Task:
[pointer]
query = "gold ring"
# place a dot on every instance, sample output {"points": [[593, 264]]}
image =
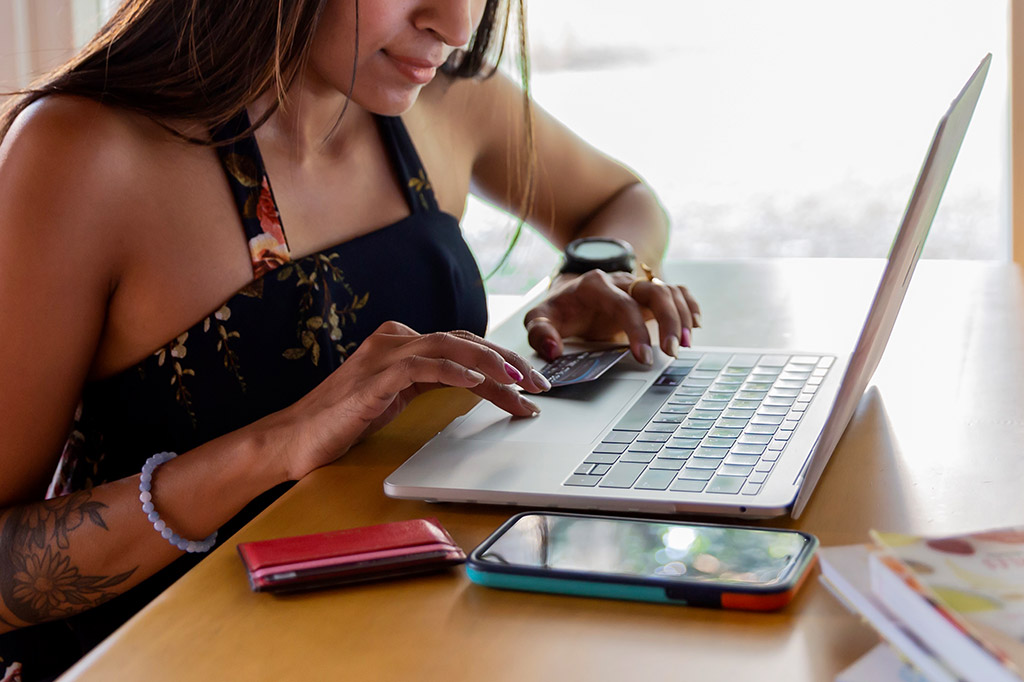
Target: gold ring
{"points": [[647, 277], [532, 321]]}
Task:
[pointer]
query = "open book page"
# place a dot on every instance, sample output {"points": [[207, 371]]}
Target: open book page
{"points": [[976, 580]]}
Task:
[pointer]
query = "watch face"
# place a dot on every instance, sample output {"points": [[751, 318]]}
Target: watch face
{"points": [[598, 250]]}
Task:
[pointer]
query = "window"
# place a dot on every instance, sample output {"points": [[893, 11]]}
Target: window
{"points": [[789, 128]]}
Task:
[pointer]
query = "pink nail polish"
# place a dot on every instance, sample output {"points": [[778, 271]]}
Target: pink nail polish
{"points": [[513, 372], [685, 338]]}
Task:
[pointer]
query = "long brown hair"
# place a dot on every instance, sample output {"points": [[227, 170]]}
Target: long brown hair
{"points": [[206, 60]]}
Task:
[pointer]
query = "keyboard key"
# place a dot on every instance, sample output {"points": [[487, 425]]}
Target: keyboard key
{"points": [[694, 474], [637, 457], [623, 475], [688, 443], [745, 404], [783, 435], [780, 402], [748, 449], [757, 477], [691, 433], [620, 437], [771, 455], [719, 432], [610, 448], [600, 458], [704, 414], [751, 489], [776, 445], [728, 423], [712, 361], [751, 395], [703, 463], [668, 464], [784, 393], [726, 484], [665, 418], [584, 469], [675, 453], [742, 460], [764, 429], [683, 400], [644, 447], [649, 437], [661, 428], [773, 361], [710, 453], [771, 419], [788, 424], [688, 486], [764, 466], [733, 413], [826, 361], [695, 391], [674, 409], [582, 481], [710, 442], [811, 360], [734, 470], [600, 469], [756, 438], [698, 423], [773, 409], [655, 479]]}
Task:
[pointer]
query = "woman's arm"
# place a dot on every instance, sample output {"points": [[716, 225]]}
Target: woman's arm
{"points": [[66, 211], [579, 192]]}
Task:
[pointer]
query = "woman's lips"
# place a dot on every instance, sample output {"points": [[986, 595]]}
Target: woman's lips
{"points": [[419, 71]]}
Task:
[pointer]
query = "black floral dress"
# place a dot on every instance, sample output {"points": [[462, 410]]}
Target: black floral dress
{"points": [[265, 347]]}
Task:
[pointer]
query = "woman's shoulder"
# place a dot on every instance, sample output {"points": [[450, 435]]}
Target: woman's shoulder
{"points": [[67, 134]]}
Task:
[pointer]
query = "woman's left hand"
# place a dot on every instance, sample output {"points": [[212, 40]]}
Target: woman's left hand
{"points": [[598, 305]]}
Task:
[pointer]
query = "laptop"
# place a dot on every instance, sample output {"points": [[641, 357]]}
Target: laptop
{"points": [[740, 432]]}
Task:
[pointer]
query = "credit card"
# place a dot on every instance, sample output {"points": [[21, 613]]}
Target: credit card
{"points": [[577, 368]]}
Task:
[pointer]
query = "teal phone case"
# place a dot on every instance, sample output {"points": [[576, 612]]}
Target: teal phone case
{"points": [[579, 588]]}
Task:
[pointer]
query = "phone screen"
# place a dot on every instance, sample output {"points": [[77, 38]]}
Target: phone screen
{"points": [[638, 548]]}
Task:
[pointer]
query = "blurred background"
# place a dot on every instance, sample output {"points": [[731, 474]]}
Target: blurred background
{"points": [[784, 128]]}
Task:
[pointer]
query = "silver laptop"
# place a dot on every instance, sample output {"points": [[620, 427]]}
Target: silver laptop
{"points": [[742, 432]]}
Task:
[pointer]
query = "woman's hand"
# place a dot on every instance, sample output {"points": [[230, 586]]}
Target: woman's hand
{"points": [[390, 368], [598, 305]]}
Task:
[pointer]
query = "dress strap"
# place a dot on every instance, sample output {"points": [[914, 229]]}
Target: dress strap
{"points": [[250, 187], [413, 177]]}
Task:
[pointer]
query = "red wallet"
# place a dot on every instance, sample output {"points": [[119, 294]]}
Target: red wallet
{"points": [[340, 557]]}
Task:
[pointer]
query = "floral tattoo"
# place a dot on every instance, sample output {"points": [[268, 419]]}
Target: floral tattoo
{"points": [[38, 581]]}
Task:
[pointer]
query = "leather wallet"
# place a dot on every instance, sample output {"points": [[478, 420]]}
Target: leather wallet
{"points": [[340, 557]]}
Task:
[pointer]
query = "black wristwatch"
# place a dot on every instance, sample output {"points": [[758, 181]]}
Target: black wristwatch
{"points": [[598, 253]]}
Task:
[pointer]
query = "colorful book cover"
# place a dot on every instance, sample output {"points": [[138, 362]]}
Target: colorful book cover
{"points": [[976, 581]]}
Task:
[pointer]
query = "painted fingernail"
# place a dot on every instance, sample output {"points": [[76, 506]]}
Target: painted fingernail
{"points": [[686, 337], [550, 349], [540, 380], [696, 319], [530, 405], [673, 345], [514, 373], [646, 355], [475, 376]]}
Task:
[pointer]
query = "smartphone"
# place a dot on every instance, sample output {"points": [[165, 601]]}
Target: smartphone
{"points": [[694, 564]]}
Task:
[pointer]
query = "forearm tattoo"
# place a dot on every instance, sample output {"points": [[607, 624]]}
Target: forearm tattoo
{"points": [[38, 579]]}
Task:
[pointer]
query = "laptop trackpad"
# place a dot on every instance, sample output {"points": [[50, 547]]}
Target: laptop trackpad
{"points": [[570, 414]]}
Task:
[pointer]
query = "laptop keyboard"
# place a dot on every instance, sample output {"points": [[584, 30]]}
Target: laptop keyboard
{"points": [[712, 422]]}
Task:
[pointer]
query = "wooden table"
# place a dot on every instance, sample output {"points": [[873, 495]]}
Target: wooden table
{"points": [[933, 448]]}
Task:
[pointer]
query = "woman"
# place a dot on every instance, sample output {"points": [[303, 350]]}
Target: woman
{"points": [[229, 234]]}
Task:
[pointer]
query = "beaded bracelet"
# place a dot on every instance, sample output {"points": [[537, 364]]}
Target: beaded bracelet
{"points": [[146, 497]]}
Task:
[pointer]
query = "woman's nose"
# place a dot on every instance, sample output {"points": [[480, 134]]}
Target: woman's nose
{"points": [[450, 20]]}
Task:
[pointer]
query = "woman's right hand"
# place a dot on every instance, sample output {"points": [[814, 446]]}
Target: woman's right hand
{"points": [[388, 369]]}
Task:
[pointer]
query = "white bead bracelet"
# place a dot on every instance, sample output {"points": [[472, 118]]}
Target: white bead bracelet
{"points": [[146, 497]]}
